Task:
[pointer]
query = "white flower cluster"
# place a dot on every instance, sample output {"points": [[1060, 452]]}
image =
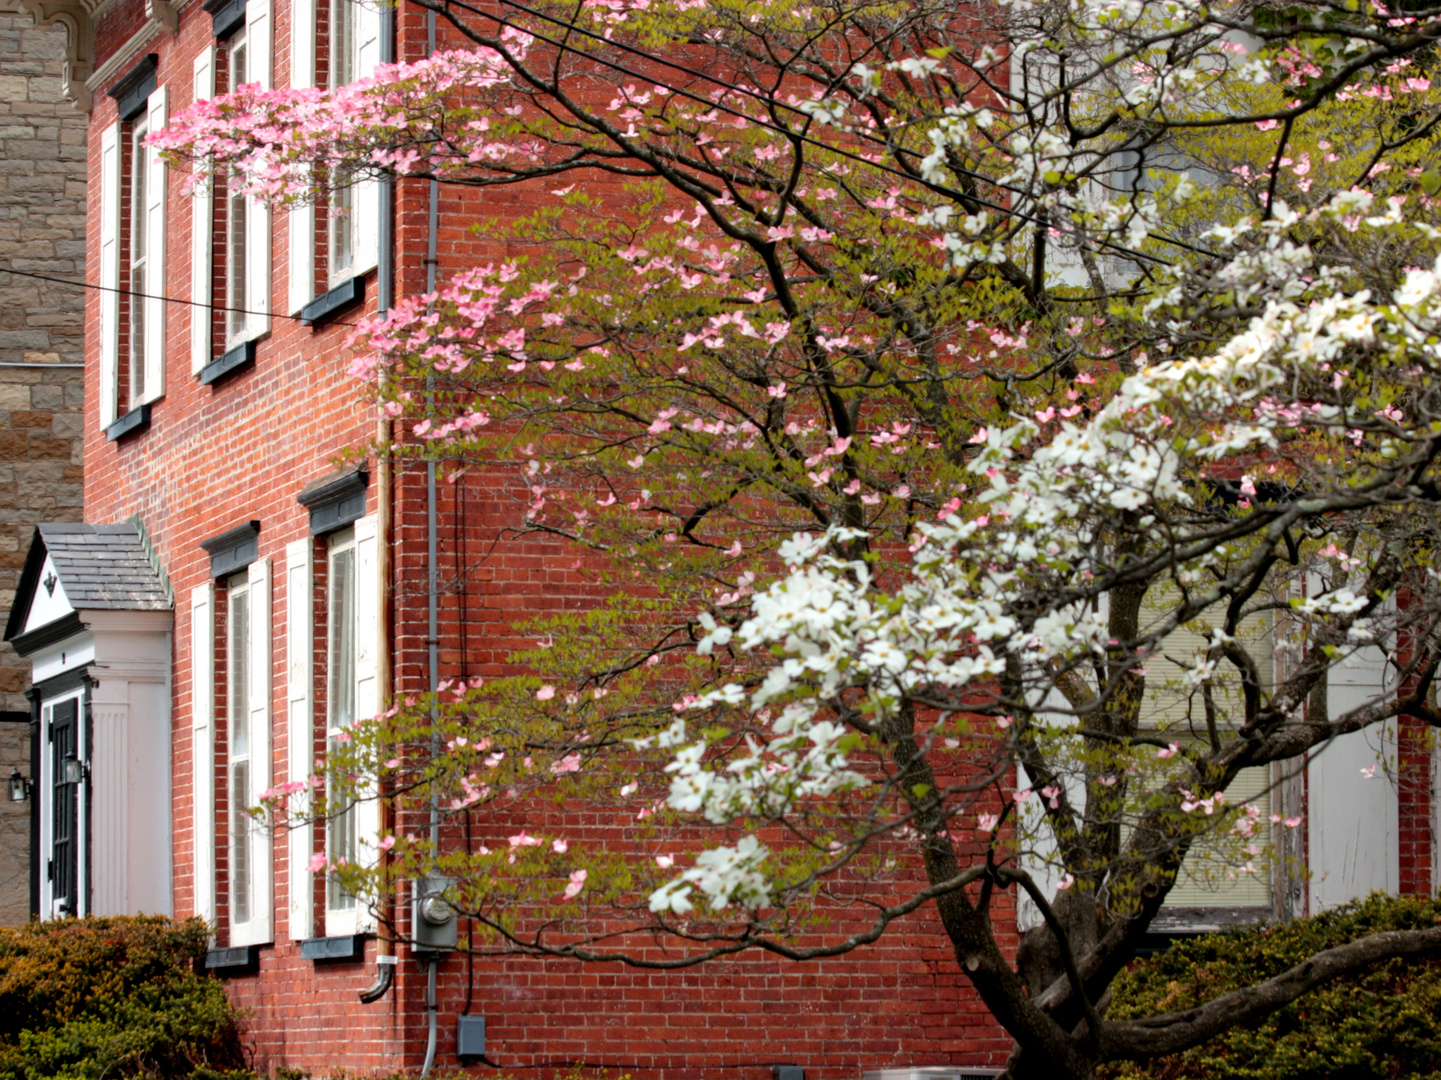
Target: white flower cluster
{"points": [[843, 641], [724, 875]]}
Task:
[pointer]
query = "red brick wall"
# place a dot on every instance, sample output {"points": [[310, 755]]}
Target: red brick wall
{"points": [[114, 27], [214, 457]]}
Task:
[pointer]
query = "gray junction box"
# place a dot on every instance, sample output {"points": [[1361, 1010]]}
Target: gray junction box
{"points": [[470, 1036]]}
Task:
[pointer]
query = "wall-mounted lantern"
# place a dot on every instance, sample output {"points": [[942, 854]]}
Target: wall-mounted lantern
{"points": [[76, 771], [19, 787]]}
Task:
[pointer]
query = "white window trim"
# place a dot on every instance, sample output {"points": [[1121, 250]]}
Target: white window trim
{"points": [[367, 703], [338, 920], [137, 270], [258, 30], [304, 222], [111, 181], [259, 46], [157, 191], [260, 927], [202, 749], [112, 275], [202, 227], [301, 219], [300, 728], [237, 287], [237, 591], [1353, 835]]}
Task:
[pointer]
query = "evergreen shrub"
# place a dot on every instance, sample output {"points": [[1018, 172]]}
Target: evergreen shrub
{"points": [[1378, 1024], [113, 998]]}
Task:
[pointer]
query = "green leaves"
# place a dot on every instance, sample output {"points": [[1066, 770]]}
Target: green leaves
{"points": [[1375, 1025], [113, 998]]}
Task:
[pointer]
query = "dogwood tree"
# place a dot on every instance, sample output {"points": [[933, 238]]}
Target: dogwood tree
{"points": [[906, 380]]}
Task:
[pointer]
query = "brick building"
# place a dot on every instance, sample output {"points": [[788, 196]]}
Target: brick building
{"points": [[42, 230], [241, 587], [183, 638]]}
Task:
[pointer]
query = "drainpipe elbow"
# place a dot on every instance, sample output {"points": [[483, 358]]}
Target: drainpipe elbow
{"points": [[384, 976]]}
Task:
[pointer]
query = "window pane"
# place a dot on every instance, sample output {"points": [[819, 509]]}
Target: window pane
{"points": [[137, 191], [239, 843], [341, 845], [239, 66], [139, 249], [235, 294], [236, 213], [137, 334], [342, 232], [237, 715], [342, 43], [238, 677], [340, 695], [341, 661]]}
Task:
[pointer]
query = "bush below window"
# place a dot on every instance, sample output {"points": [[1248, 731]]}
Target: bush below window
{"points": [[1380, 1023], [83, 999]]}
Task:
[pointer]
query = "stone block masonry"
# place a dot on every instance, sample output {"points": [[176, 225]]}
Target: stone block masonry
{"points": [[42, 230]]}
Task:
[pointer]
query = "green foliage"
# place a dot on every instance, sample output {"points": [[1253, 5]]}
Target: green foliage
{"points": [[1377, 1024], [82, 999]]}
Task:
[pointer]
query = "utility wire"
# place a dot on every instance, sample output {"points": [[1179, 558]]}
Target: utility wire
{"points": [[774, 102], [940, 189], [167, 299]]}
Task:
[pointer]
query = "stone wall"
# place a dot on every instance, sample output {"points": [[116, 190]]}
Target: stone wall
{"points": [[42, 231]]}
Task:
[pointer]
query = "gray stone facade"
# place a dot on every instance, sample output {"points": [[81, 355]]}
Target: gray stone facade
{"points": [[42, 230]]}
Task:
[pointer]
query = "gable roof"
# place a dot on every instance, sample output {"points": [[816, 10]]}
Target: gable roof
{"points": [[98, 567]]}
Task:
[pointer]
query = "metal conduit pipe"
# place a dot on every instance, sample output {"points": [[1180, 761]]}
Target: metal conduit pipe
{"points": [[432, 594], [432, 590], [385, 958], [431, 1010]]}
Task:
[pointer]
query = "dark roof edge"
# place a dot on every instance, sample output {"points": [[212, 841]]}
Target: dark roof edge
{"points": [[52, 633], [150, 554], [25, 589]]}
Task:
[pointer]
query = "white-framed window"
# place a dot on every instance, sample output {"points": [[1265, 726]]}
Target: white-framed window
{"points": [[238, 771], [334, 42], [237, 214], [342, 54], [332, 628], [1174, 710], [64, 795], [133, 192], [230, 232], [340, 636], [1218, 873], [231, 752], [138, 256]]}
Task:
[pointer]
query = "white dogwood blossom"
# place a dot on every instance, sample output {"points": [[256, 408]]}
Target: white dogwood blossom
{"points": [[845, 642]]}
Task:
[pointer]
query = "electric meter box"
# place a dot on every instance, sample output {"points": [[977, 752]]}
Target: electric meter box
{"points": [[434, 926]]}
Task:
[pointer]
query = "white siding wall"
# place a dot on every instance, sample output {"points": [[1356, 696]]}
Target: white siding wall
{"points": [[1353, 826]]}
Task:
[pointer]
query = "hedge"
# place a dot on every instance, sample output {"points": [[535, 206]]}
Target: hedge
{"points": [[112, 998], [1379, 1024]]}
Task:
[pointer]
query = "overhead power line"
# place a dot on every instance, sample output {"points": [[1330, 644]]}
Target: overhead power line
{"points": [[153, 296], [940, 189], [771, 101]]}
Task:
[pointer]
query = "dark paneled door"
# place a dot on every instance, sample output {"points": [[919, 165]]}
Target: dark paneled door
{"points": [[65, 804]]}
